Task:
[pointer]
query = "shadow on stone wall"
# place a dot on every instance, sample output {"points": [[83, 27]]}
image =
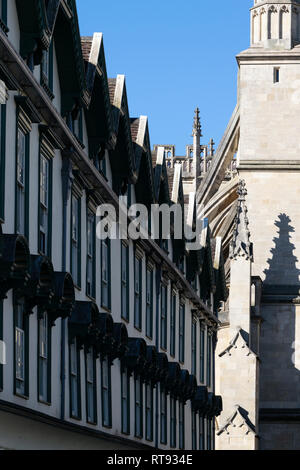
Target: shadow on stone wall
{"points": [[279, 371]]}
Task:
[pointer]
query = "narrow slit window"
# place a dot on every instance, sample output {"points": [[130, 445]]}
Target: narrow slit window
{"points": [[276, 75]]}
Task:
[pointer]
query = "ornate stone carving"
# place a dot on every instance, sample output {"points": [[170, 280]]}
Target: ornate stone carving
{"points": [[240, 245]]}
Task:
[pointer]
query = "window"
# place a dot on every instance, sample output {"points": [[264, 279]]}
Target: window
{"points": [[76, 239], [276, 75], [22, 183], [194, 430], [44, 367], [90, 254], [125, 401], [45, 219], [202, 353], [105, 273], [201, 433], [149, 412], [163, 417], [103, 166], [2, 159], [138, 293], [47, 70], [173, 325], [209, 433], [163, 317], [91, 389], [106, 392], [149, 303], [138, 407], [194, 346], [173, 423], [21, 348], [181, 333], [125, 281], [209, 360], [75, 395], [181, 426]]}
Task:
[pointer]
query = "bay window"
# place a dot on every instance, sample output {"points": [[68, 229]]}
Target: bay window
{"points": [[181, 426], [202, 353], [194, 346], [2, 159]]}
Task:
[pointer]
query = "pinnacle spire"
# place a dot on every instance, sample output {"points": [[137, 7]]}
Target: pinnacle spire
{"points": [[197, 124]]}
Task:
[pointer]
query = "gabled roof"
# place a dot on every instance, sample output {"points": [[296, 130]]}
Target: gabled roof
{"points": [[123, 164], [98, 116], [144, 187], [161, 184]]}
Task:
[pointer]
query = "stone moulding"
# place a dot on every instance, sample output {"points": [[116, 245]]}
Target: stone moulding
{"points": [[242, 421], [234, 345]]}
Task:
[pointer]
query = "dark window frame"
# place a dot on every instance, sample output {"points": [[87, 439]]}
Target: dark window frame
{"points": [[47, 400], [94, 419]]}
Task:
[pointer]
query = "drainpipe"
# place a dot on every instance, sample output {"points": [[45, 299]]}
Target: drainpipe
{"points": [[67, 177], [158, 281]]}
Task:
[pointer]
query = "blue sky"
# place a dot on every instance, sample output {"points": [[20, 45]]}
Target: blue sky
{"points": [[176, 55]]}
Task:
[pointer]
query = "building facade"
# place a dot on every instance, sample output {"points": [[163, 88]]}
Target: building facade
{"points": [[109, 343], [257, 215]]}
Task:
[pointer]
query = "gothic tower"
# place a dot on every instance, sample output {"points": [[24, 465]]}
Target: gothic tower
{"points": [[268, 163]]}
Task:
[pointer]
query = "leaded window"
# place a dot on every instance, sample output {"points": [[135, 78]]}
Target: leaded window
{"points": [[45, 206], [2, 157], [209, 360], [125, 281], [91, 255], [173, 325], [163, 417], [194, 346], [181, 426], [21, 338], [181, 333], [125, 401], [194, 430], [105, 273], [44, 371], [149, 303], [138, 293], [164, 317], [106, 392], [75, 398], [76, 239], [149, 412], [138, 407], [91, 394], [202, 353], [173, 421], [22, 183], [201, 433]]}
